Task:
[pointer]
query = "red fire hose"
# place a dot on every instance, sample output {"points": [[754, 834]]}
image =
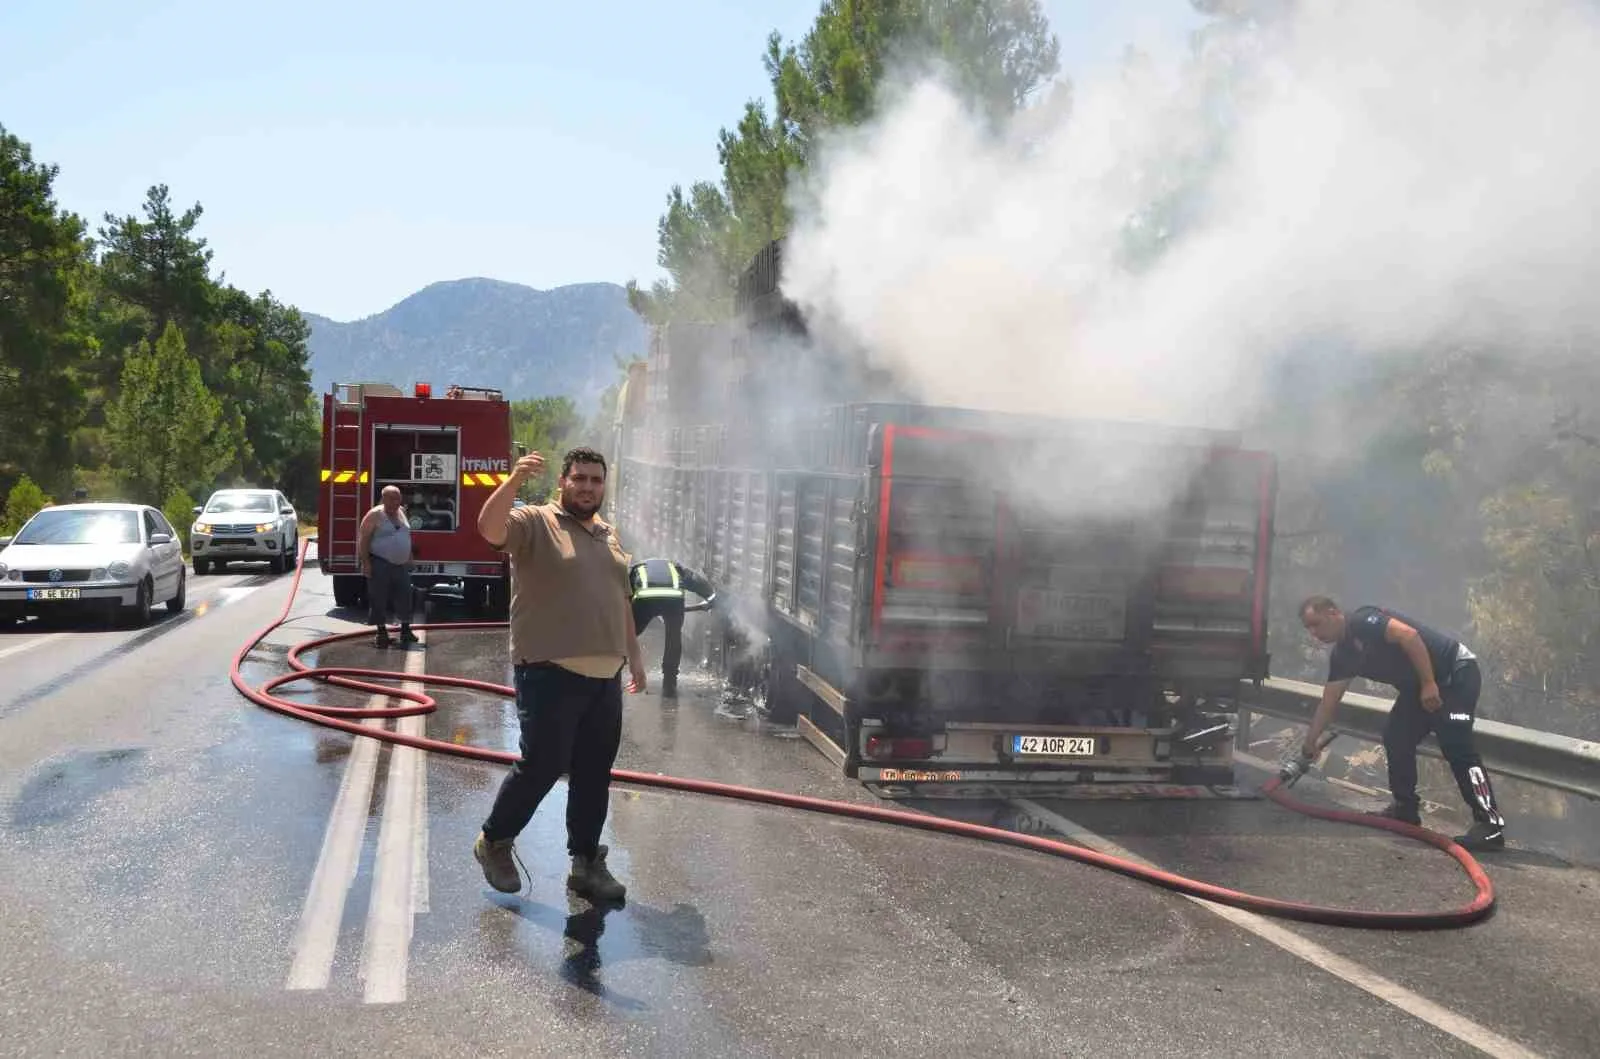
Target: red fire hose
{"points": [[345, 719]]}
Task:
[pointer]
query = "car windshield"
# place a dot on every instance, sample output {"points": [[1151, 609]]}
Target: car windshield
{"points": [[240, 502], [66, 526]]}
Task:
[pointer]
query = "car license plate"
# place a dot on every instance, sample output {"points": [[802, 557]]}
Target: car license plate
{"points": [[1054, 745], [53, 593]]}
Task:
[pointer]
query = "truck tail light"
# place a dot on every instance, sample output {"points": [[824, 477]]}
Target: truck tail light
{"points": [[424, 389], [913, 747]]}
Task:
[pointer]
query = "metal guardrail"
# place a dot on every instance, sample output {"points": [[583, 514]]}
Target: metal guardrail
{"points": [[1556, 761]]}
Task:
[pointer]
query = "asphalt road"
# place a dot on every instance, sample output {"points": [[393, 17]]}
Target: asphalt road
{"points": [[182, 872]]}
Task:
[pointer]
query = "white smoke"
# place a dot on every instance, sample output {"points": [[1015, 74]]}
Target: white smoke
{"points": [[1381, 176]]}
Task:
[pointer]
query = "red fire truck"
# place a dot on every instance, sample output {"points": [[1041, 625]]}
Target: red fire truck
{"points": [[445, 454]]}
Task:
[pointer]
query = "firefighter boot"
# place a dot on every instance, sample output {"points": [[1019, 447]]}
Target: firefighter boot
{"points": [[1404, 812], [1483, 835], [1488, 830], [591, 878], [498, 868]]}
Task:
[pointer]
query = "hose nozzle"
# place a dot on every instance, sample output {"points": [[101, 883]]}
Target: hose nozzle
{"points": [[1298, 765]]}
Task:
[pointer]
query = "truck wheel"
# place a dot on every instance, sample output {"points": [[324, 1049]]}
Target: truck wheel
{"points": [[785, 693], [347, 590]]}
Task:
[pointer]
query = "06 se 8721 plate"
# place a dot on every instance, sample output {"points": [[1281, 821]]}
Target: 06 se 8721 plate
{"points": [[1054, 745], [53, 593]]}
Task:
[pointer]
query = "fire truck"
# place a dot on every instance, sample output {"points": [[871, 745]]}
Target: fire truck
{"points": [[445, 455]]}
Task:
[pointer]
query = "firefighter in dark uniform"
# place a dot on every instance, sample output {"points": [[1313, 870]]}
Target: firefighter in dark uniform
{"points": [[1436, 680], [659, 587]]}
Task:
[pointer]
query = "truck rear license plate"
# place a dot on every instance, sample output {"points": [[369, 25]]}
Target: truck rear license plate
{"points": [[1054, 745], [53, 593]]}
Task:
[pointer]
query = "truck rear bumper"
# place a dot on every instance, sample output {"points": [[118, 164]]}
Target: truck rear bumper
{"points": [[930, 749]]}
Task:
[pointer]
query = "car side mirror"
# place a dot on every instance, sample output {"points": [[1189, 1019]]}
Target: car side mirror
{"points": [[197, 511], [160, 538], [4, 541], [286, 511]]}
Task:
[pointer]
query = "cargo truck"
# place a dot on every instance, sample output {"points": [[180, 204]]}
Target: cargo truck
{"points": [[940, 596]]}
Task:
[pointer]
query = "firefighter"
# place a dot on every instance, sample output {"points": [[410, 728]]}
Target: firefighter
{"points": [[659, 587], [1436, 680]]}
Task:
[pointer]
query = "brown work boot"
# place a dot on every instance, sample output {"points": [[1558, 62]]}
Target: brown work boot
{"points": [[591, 878], [498, 867]]}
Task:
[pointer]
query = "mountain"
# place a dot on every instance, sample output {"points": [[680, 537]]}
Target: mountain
{"points": [[484, 332]]}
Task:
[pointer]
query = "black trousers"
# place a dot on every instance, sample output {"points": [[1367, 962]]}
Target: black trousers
{"points": [[1452, 724], [670, 611], [389, 595], [570, 724]]}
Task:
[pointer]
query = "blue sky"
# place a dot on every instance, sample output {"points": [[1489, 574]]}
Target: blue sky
{"points": [[349, 154]]}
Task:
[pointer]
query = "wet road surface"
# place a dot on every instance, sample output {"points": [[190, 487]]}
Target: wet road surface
{"points": [[182, 872]]}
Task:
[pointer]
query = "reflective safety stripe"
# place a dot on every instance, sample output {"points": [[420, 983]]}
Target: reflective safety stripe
{"points": [[343, 477], [648, 580], [481, 478]]}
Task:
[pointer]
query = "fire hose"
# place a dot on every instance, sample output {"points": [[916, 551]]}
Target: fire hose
{"points": [[346, 718]]}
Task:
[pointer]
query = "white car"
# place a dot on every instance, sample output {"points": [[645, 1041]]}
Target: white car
{"points": [[245, 525], [84, 555]]}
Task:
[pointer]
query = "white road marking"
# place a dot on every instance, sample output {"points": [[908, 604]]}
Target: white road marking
{"points": [[234, 593], [401, 866], [1457, 1026], [17, 649], [318, 934]]}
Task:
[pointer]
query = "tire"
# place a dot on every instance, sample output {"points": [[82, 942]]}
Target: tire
{"points": [[175, 604], [138, 615], [348, 590], [201, 568]]}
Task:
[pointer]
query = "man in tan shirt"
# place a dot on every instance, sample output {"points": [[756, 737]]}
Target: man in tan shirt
{"points": [[572, 632]]}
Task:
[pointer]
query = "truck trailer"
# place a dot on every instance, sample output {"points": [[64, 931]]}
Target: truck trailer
{"points": [[446, 454], [939, 596]]}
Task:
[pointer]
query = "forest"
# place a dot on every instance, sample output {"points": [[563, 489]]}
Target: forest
{"points": [[130, 371]]}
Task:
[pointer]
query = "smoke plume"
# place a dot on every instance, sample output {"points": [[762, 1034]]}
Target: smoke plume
{"points": [[1356, 179]]}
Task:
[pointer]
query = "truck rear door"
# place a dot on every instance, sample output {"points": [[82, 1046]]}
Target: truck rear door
{"points": [[1027, 554]]}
